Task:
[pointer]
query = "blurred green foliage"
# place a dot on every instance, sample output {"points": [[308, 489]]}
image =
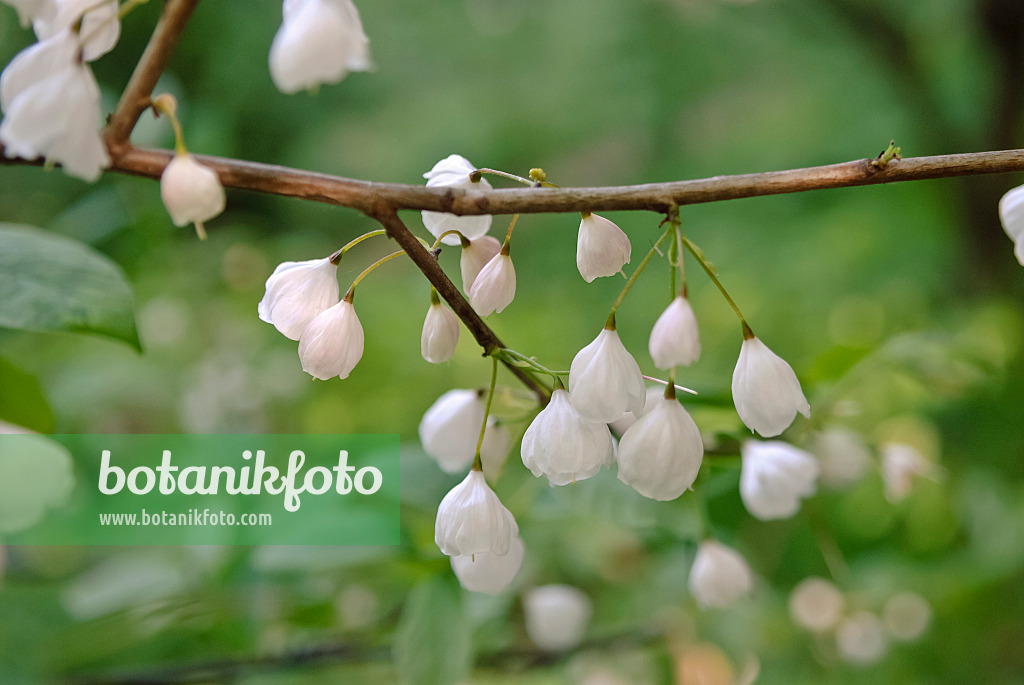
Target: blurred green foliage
{"points": [[900, 308]]}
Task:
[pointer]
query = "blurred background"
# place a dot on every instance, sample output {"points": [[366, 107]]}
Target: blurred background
{"points": [[899, 307]]}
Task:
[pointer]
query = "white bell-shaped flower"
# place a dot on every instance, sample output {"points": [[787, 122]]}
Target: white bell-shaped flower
{"points": [[332, 344], [816, 605], [494, 288], [564, 446], [450, 429], [902, 465], [495, 448], [1011, 214], [472, 520], [556, 616], [675, 340], [605, 381], [33, 10], [297, 292], [36, 63], [192, 192], [488, 572], [100, 27], [320, 41], [660, 454], [476, 254], [765, 389], [774, 477], [453, 172], [620, 425], [440, 333], [861, 639], [602, 249], [719, 576]]}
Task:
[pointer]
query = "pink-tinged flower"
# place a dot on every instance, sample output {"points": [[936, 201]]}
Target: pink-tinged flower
{"points": [[1011, 214], [297, 292], [605, 381], [719, 576], [320, 41], [476, 254], [660, 454], [765, 389], [450, 429], [191, 192], [472, 520], [602, 249], [774, 477], [440, 333], [674, 338], [332, 344], [454, 172], [564, 446], [556, 616], [488, 572], [494, 288]]}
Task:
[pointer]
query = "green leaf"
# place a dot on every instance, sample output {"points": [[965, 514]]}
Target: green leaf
{"points": [[21, 400], [53, 283], [433, 644]]}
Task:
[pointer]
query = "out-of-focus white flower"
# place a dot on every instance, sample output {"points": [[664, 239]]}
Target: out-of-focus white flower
{"points": [[774, 477], [450, 429], [605, 381], [332, 344], [494, 288], [627, 419], [556, 616], [472, 520], [488, 572], [453, 172], [320, 41], [1011, 214], [440, 333], [901, 466], [602, 249], [51, 105], [32, 10], [906, 616], [674, 339], [842, 456], [476, 254], [495, 448], [297, 292], [719, 576], [816, 605], [191, 192], [564, 446], [765, 389], [100, 27], [861, 639], [660, 454]]}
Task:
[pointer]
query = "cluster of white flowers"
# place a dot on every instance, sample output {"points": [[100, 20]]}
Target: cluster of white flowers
{"points": [[48, 94]]}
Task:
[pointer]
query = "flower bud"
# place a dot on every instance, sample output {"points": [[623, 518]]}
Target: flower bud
{"points": [[605, 381], [296, 293], [719, 576], [494, 287], [765, 389], [475, 254], [472, 520], [556, 616], [440, 334], [332, 344], [674, 338], [454, 172], [191, 192], [564, 446], [660, 454], [320, 41], [488, 572], [774, 477], [602, 249], [450, 429]]}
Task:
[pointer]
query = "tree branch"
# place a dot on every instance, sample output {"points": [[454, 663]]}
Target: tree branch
{"points": [[137, 93]]}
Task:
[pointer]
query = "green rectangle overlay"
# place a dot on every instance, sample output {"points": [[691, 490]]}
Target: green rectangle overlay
{"points": [[199, 489]]}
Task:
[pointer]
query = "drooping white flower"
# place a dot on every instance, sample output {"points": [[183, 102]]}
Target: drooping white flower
{"points": [[842, 456], [297, 292], [454, 172], [51, 105], [861, 639], [774, 477], [660, 454], [472, 520], [450, 429], [906, 616], [332, 344], [475, 254], [32, 10], [494, 288], [488, 572], [765, 389], [495, 448], [564, 446], [440, 333], [100, 25], [556, 616], [1011, 214], [320, 41], [674, 338], [192, 192], [602, 249], [604, 379], [719, 576], [816, 605], [901, 466], [620, 425]]}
